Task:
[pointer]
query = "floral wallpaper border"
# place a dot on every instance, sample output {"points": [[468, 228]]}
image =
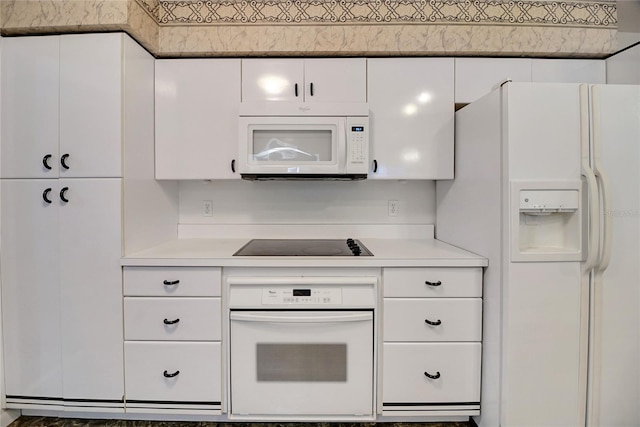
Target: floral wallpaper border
{"points": [[585, 14]]}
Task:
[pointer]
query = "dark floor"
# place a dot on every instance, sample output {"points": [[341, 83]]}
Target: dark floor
{"points": [[72, 422]]}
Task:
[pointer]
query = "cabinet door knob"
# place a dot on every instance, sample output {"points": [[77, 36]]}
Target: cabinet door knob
{"points": [[171, 282], [295, 89], [428, 375], [311, 89], [45, 161], [168, 375], [375, 166], [171, 322], [233, 165], [63, 161], [436, 323], [63, 194], [45, 195], [428, 283]]}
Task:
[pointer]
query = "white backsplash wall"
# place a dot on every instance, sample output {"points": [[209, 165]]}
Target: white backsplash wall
{"points": [[315, 202]]}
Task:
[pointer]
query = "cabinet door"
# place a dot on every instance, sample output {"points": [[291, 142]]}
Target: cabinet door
{"points": [[335, 80], [197, 102], [91, 105], [272, 80], [411, 118], [91, 289], [30, 291], [30, 70], [476, 77]]}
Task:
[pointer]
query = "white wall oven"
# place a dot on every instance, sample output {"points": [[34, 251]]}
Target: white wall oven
{"points": [[302, 347]]}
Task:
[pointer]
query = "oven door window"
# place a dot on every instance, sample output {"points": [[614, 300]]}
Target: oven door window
{"points": [[301, 362]]}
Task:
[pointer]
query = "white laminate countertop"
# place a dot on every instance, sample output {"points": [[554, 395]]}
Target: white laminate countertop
{"points": [[386, 253]]}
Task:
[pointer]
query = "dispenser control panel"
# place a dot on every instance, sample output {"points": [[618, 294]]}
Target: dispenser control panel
{"points": [[549, 201]]}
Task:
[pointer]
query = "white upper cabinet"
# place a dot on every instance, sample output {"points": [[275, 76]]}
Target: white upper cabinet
{"points": [[333, 80], [411, 118], [475, 77], [624, 67], [30, 76], [197, 102], [91, 69], [568, 71], [61, 106]]}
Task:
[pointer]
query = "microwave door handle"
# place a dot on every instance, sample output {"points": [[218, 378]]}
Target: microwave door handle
{"points": [[333, 318], [345, 149]]}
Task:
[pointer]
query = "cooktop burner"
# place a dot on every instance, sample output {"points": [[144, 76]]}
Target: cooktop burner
{"points": [[303, 247]]}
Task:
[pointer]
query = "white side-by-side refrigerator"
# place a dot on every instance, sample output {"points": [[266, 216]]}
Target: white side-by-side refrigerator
{"points": [[547, 187]]}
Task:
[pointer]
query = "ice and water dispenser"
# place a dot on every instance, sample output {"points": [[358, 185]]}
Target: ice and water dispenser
{"points": [[546, 221]]}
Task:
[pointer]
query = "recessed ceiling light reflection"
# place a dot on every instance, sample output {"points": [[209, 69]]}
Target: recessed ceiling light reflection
{"points": [[424, 97], [410, 109], [411, 156], [273, 85], [166, 88]]}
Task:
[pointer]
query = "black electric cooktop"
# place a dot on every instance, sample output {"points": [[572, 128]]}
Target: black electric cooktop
{"points": [[303, 247]]}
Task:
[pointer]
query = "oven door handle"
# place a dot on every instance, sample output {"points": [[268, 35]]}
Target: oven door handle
{"points": [[333, 318]]}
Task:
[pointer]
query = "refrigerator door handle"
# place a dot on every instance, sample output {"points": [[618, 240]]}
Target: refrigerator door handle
{"points": [[605, 191], [594, 216], [603, 184]]}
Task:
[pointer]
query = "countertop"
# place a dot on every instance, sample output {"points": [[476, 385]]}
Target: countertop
{"points": [[386, 253]]}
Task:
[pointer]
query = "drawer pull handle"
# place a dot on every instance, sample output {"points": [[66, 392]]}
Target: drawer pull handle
{"points": [[428, 283], [436, 323], [175, 374], [171, 283], [171, 322], [426, 374]]}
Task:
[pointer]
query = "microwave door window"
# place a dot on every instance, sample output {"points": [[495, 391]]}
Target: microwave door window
{"points": [[293, 146]]}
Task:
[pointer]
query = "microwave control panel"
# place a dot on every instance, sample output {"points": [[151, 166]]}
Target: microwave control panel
{"points": [[302, 296], [358, 142]]}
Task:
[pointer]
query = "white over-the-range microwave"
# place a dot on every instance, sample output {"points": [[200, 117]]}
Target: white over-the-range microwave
{"points": [[303, 141]]}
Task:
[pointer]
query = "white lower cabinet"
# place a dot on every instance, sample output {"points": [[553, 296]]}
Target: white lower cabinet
{"points": [[176, 319], [432, 333], [172, 328], [431, 319], [61, 291], [428, 373], [172, 373]]}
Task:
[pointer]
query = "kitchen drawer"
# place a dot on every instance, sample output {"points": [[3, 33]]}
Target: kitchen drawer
{"points": [[456, 366], [432, 282], [172, 281], [198, 365], [198, 319], [455, 319]]}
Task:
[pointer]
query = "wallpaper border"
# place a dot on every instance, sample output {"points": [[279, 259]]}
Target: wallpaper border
{"points": [[582, 14]]}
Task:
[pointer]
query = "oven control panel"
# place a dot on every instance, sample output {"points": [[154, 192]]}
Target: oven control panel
{"points": [[301, 296]]}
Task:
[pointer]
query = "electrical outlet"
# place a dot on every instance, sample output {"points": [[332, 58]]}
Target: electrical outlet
{"points": [[207, 208], [393, 208]]}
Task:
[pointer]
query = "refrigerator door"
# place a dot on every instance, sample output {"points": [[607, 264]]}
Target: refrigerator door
{"points": [[544, 297], [614, 380]]}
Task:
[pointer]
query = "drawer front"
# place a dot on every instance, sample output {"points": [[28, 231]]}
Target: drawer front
{"points": [[172, 281], [172, 319], [198, 364], [432, 319], [432, 282], [455, 366]]}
